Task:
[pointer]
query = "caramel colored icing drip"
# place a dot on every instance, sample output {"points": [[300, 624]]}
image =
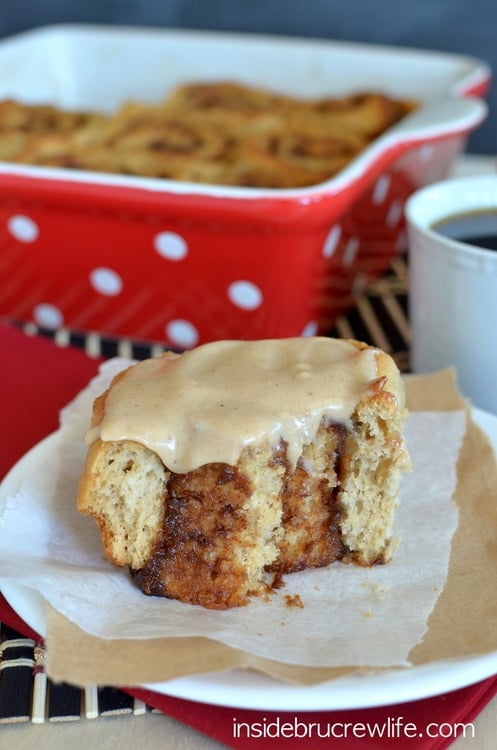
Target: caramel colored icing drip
{"points": [[206, 405]]}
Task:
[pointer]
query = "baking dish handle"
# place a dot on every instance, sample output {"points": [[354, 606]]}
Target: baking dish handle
{"points": [[438, 118]]}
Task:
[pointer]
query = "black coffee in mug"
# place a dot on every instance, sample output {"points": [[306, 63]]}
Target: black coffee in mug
{"points": [[478, 228]]}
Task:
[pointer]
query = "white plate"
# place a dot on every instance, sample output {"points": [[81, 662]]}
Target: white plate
{"points": [[241, 689]]}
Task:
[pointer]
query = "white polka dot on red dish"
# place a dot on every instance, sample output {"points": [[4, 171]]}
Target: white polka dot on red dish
{"points": [[245, 294], [48, 316], [171, 245], [106, 281], [350, 251], [426, 152], [182, 333], [23, 228], [381, 189], [332, 240], [394, 214], [310, 329]]}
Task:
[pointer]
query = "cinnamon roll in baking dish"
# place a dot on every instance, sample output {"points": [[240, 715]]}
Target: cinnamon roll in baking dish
{"points": [[212, 132]]}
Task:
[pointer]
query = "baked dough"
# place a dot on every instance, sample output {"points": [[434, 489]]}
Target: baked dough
{"points": [[214, 473], [219, 132]]}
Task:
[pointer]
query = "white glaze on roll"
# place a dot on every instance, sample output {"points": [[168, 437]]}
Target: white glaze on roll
{"points": [[206, 405]]}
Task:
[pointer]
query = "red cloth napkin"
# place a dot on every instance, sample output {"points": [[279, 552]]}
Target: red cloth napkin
{"points": [[37, 379]]}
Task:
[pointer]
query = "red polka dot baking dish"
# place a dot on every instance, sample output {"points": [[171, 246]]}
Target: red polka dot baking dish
{"points": [[182, 263]]}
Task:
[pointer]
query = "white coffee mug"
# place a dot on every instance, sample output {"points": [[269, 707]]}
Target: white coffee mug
{"points": [[453, 287]]}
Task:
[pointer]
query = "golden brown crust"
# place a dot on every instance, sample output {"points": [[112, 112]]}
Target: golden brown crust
{"points": [[387, 372], [219, 133]]}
